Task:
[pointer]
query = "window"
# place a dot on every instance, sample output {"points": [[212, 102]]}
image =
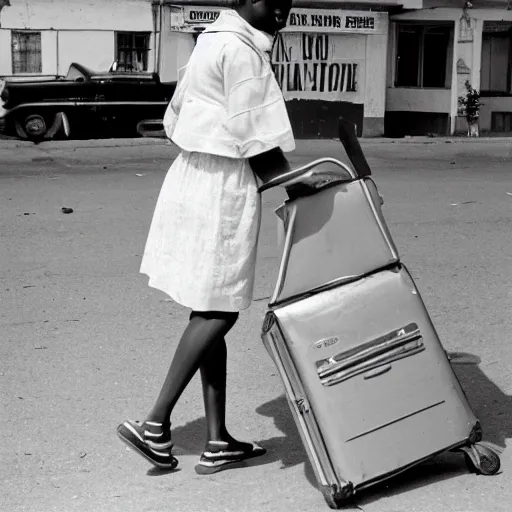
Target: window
{"points": [[501, 122], [495, 74], [132, 51], [26, 52], [422, 56]]}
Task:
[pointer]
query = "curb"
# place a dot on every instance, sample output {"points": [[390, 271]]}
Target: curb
{"points": [[149, 141], [75, 144]]}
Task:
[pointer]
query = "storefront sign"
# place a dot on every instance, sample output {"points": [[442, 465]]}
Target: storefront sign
{"points": [[302, 20], [317, 66], [198, 15], [337, 21]]}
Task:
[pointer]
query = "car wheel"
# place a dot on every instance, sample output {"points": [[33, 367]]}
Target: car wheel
{"points": [[31, 127]]}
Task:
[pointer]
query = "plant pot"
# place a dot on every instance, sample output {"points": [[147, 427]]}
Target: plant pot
{"points": [[473, 127]]}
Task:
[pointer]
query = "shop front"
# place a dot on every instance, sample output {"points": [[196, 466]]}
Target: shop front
{"points": [[332, 63], [434, 53], [328, 62]]}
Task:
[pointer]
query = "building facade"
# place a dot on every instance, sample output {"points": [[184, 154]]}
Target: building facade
{"points": [[434, 51], [41, 38], [330, 61], [394, 67]]}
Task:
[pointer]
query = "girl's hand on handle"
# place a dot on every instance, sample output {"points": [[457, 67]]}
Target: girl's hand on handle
{"points": [[269, 165]]}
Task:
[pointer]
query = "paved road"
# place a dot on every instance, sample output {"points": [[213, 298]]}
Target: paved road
{"points": [[85, 343]]}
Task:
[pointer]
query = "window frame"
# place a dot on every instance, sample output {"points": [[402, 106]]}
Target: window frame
{"points": [[36, 33], [494, 92], [423, 29], [131, 49]]}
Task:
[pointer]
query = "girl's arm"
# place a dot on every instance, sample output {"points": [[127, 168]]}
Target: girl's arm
{"points": [[270, 164]]}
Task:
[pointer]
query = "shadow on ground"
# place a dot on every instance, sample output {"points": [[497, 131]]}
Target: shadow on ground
{"points": [[487, 400]]}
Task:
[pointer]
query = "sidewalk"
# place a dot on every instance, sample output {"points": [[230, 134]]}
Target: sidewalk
{"points": [[10, 143]]}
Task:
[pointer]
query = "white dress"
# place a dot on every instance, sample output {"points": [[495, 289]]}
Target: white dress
{"points": [[201, 247]]}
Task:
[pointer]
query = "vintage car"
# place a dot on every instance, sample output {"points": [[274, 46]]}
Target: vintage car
{"points": [[83, 104]]}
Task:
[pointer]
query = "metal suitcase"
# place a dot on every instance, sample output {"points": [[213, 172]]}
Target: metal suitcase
{"points": [[369, 384], [332, 237]]}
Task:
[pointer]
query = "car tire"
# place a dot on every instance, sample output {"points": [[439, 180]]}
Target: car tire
{"points": [[32, 127], [37, 128]]}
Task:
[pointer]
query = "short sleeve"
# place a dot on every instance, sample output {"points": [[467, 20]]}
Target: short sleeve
{"points": [[257, 118]]}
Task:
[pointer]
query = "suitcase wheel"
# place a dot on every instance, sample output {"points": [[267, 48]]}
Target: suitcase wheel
{"points": [[481, 459], [335, 498]]}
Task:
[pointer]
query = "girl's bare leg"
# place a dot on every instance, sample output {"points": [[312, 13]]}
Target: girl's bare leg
{"points": [[213, 378], [204, 331]]}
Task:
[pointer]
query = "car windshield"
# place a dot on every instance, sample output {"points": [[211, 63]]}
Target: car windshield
{"points": [[75, 74]]}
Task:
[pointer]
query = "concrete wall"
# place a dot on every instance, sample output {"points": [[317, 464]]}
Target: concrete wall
{"points": [[74, 30], [130, 15], [500, 104], [5, 52], [176, 46], [375, 94], [418, 100], [176, 50]]}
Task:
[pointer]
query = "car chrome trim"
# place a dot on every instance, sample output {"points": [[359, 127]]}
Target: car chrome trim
{"points": [[86, 103]]}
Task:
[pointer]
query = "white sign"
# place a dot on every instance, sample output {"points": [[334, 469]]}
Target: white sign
{"points": [[199, 15], [320, 66], [303, 20], [337, 21]]}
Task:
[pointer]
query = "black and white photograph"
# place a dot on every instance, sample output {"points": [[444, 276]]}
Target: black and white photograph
{"points": [[256, 255]]}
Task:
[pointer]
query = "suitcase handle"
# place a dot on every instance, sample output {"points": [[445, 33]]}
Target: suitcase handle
{"points": [[307, 172], [348, 137]]}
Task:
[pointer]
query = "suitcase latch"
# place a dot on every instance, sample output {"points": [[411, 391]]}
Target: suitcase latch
{"points": [[302, 405]]}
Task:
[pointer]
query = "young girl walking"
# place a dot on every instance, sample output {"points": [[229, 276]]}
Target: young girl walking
{"points": [[229, 119]]}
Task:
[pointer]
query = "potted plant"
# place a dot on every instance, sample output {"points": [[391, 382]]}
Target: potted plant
{"points": [[469, 106]]}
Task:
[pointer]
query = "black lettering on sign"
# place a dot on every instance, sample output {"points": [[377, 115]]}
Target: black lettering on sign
{"points": [[349, 78], [323, 66], [322, 47], [289, 83], [203, 15], [316, 20], [361, 22], [313, 70], [307, 47], [315, 46], [298, 20], [343, 75], [281, 52], [294, 20], [320, 77], [314, 80], [353, 82], [334, 77]]}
